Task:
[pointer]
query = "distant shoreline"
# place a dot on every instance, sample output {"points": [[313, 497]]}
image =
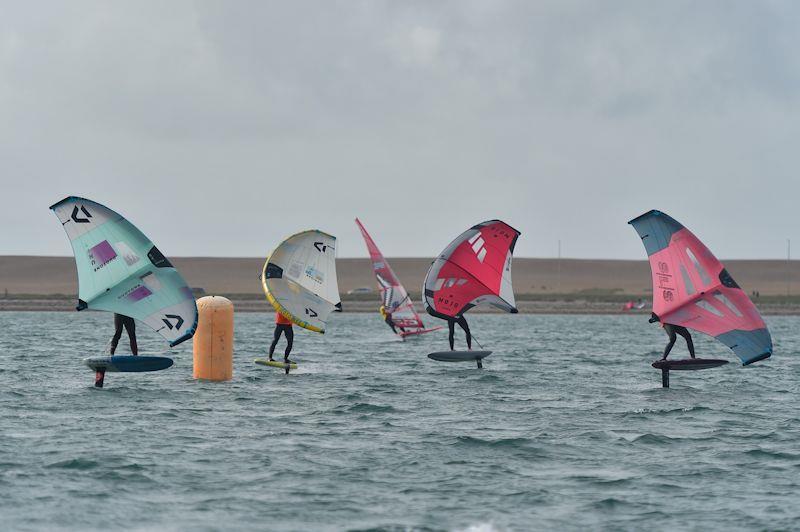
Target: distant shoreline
{"points": [[569, 304], [541, 286]]}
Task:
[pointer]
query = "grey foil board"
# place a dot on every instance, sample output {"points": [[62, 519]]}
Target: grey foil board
{"points": [[458, 356]]}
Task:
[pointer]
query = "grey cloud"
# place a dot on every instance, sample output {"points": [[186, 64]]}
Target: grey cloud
{"points": [[565, 118]]}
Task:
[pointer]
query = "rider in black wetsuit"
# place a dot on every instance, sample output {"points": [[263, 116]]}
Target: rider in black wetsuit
{"points": [[451, 325], [672, 331], [282, 325], [121, 321], [387, 317]]}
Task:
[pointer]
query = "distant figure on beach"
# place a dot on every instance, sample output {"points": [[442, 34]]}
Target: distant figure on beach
{"points": [[630, 305], [387, 317], [282, 325], [121, 321], [451, 325], [672, 331]]}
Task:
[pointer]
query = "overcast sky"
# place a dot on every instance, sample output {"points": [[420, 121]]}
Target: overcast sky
{"points": [[220, 127]]}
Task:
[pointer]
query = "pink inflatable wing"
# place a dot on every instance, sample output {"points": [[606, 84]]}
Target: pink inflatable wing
{"points": [[692, 288], [393, 295], [474, 269]]}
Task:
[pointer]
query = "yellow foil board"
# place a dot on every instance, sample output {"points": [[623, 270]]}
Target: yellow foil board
{"points": [[274, 363]]}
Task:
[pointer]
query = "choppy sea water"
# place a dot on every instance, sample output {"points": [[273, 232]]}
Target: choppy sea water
{"points": [[566, 427]]}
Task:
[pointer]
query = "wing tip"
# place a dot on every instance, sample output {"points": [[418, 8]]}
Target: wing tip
{"points": [[481, 224], [56, 204], [667, 219], [69, 198], [182, 339], [651, 212], [190, 332], [762, 356], [318, 231]]}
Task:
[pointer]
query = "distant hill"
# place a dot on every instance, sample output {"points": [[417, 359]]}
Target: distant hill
{"points": [[539, 277]]}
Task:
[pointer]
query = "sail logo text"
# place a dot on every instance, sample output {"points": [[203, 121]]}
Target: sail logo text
{"points": [[314, 274]]}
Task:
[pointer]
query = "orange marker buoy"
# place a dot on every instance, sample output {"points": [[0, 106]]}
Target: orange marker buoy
{"points": [[213, 340]]}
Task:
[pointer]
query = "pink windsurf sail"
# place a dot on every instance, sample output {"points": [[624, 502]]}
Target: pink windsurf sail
{"points": [[394, 297], [474, 269], [693, 289]]}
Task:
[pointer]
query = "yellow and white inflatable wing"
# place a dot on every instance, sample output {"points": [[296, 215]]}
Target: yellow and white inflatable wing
{"points": [[299, 279]]}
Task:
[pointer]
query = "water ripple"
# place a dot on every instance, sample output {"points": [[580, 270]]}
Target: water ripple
{"points": [[565, 428]]}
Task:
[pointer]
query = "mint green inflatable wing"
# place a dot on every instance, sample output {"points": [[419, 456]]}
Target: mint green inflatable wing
{"points": [[120, 270]]}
